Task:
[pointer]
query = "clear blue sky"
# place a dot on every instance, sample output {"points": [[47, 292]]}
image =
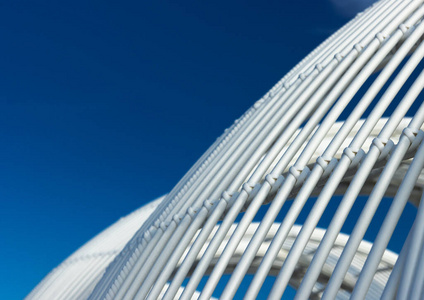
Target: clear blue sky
{"points": [[105, 105]]}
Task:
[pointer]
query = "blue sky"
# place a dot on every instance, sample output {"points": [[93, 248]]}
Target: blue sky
{"points": [[105, 105]]}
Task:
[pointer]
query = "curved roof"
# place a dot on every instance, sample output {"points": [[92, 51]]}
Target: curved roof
{"points": [[290, 154]]}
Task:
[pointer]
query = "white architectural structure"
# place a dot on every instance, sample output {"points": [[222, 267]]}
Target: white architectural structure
{"points": [[290, 154]]}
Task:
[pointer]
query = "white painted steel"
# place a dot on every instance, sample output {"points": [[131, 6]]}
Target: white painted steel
{"points": [[288, 156]]}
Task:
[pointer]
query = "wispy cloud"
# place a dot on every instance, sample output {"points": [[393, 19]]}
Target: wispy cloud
{"points": [[349, 8]]}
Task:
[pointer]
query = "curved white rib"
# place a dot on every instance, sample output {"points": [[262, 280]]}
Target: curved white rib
{"points": [[288, 148]]}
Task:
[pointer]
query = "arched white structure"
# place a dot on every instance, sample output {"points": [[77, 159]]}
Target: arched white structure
{"points": [[289, 149]]}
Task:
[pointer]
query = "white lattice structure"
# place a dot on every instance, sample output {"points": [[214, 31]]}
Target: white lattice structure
{"points": [[291, 148]]}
